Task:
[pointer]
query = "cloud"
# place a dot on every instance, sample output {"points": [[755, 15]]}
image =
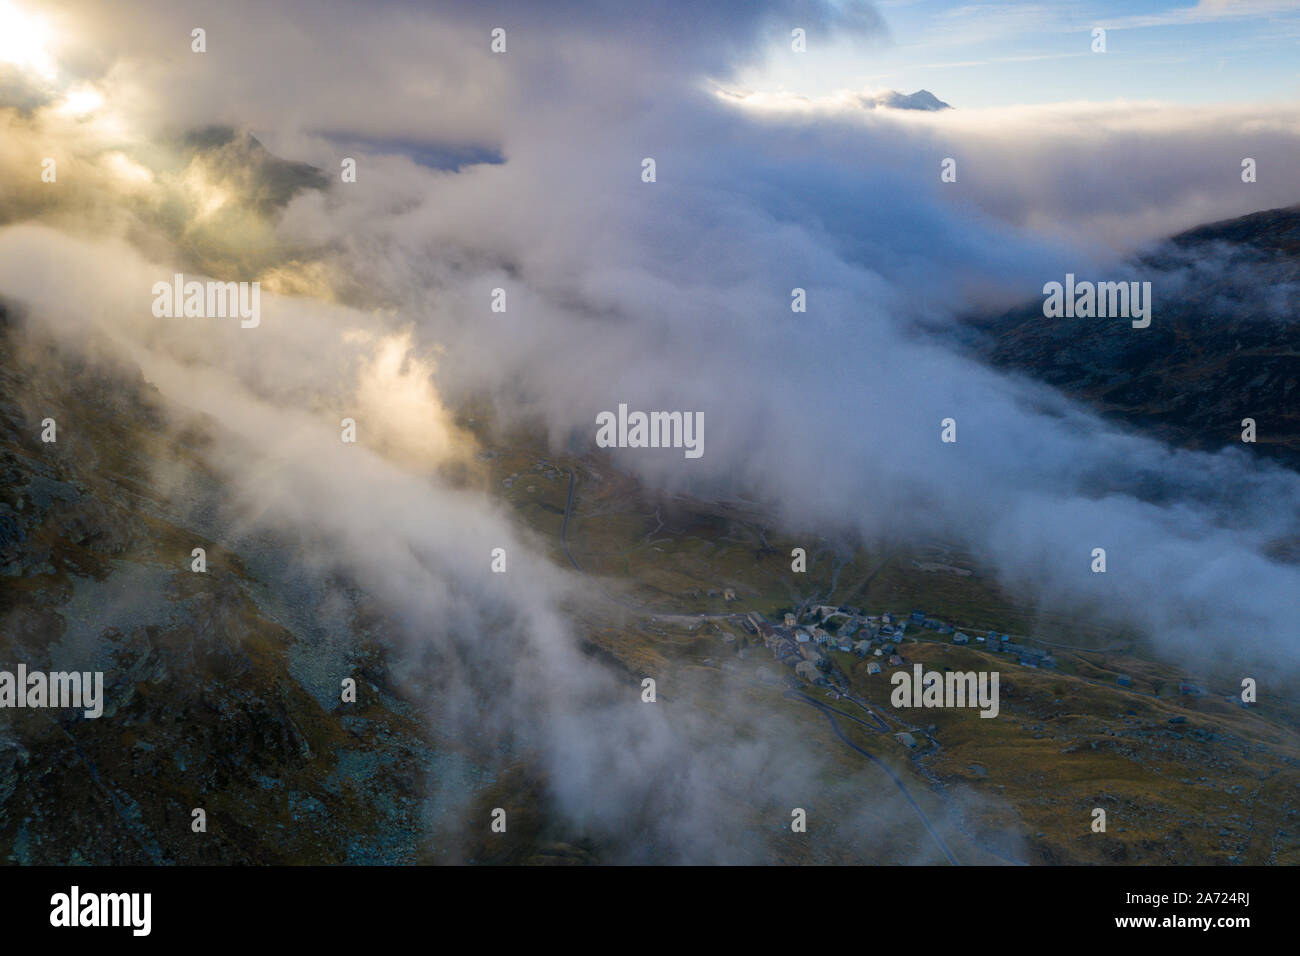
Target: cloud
{"points": [[405, 71], [1116, 175], [485, 655]]}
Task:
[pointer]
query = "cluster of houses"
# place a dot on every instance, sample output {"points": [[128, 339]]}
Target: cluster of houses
{"points": [[1003, 644], [727, 594], [803, 645]]}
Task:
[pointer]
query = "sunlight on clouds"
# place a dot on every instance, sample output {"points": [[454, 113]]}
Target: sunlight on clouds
{"points": [[397, 399], [862, 104], [81, 101], [127, 170], [308, 279], [24, 38], [206, 196]]}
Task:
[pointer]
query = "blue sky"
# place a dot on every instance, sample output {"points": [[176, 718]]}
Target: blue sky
{"points": [[1004, 53]]}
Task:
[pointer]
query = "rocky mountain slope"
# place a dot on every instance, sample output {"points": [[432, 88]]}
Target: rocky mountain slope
{"points": [[1221, 347], [219, 694]]}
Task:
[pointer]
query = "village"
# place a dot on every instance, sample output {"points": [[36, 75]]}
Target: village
{"points": [[803, 638], [800, 642]]}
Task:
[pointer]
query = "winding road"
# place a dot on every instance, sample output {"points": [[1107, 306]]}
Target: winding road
{"points": [[564, 525], [829, 713]]}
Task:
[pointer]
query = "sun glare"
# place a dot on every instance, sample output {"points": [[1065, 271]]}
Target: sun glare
{"points": [[81, 101], [24, 38]]}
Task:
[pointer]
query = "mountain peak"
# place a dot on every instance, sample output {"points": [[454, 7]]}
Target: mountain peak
{"points": [[893, 99]]}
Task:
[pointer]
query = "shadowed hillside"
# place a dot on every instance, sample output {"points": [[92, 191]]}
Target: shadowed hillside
{"points": [[1221, 346]]}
